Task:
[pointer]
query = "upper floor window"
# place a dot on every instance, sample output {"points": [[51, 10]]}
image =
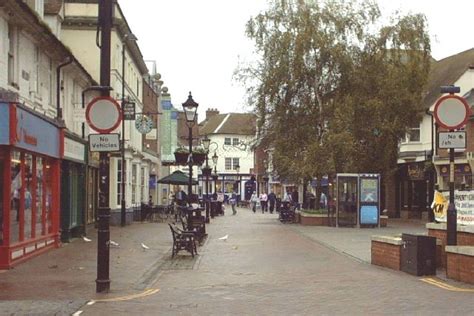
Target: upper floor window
{"points": [[227, 141], [12, 45], [235, 141], [231, 163], [413, 134]]}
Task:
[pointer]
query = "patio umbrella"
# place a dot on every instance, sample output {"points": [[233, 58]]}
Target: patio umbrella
{"points": [[178, 177]]}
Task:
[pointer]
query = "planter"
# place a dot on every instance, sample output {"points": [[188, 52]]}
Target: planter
{"points": [[206, 171], [198, 158], [181, 158], [314, 219]]}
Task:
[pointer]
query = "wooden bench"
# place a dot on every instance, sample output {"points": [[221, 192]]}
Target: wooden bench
{"points": [[196, 225], [182, 240]]}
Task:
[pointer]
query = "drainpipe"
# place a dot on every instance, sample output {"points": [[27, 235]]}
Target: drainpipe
{"points": [[59, 113]]}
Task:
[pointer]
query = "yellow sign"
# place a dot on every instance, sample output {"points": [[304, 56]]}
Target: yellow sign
{"points": [[440, 206]]}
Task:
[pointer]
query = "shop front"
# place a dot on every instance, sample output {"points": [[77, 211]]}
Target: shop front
{"points": [[30, 152], [73, 188]]}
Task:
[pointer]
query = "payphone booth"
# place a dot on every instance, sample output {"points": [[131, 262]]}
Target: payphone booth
{"points": [[358, 199]]}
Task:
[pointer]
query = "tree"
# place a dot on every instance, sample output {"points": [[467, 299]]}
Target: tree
{"points": [[333, 91]]}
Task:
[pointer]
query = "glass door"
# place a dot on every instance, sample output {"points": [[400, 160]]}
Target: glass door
{"points": [[347, 200]]}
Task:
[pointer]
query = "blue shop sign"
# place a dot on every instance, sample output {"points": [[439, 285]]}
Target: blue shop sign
{"points": [[36, 134], [4, 124]]}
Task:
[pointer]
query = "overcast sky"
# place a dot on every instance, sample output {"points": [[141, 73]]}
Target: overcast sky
{"points": [[197, 43]]}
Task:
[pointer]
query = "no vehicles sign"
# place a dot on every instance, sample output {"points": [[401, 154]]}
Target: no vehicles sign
{"points": [[104, 142]]}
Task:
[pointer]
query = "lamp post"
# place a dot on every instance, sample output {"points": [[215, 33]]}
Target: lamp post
{"points": [[215, 176], [265, 184], [237, 169], [190, 109], [206, 142], [123, 216]]}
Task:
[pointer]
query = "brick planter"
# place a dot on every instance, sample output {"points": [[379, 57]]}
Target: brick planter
{"points": [[313, 219], [386, 251], [460, 263], [465, 237]]}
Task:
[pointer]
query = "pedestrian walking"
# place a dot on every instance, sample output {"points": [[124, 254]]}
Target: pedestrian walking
{"points": [[323, 201], [272, 200], [254, 201], [233, 202], [263, 202]]}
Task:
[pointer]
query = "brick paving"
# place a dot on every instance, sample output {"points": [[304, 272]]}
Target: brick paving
{"points": [[263, 268]]}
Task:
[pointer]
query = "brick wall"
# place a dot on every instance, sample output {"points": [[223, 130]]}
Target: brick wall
{"points": [[312, 220], [460, 267], [385, 255], [463, 239]]}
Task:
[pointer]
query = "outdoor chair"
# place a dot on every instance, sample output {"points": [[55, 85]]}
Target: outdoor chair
{"points": [[182, 240]]}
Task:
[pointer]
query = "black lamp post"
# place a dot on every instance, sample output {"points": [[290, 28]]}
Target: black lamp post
{"points": [[190, 109], [265, 184], [237, 170], [206, 171], [215, 176], [127, 37]]}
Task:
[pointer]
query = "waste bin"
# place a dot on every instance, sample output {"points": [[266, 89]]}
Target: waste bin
{"points": [[312, 203], [418, 255]]}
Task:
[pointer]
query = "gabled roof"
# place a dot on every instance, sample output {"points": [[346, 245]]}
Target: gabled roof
{"points": [[446, 72], [231, 123]]}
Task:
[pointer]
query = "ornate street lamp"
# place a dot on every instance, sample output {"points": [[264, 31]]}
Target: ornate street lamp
{"points": [[215, 176], [206, 172], [190, 109]]}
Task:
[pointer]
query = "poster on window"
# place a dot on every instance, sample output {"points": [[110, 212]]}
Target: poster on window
{"points": [[464, 201]]}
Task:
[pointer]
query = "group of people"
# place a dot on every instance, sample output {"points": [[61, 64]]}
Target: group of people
{"points": [[267, 201]]}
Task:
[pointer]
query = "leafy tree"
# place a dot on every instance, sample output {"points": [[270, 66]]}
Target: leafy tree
{"points": [[334, 91]]}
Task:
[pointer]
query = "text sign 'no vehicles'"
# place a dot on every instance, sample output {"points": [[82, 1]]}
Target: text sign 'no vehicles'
{"points": [[104, 142], [448, 140], [451, 111]]}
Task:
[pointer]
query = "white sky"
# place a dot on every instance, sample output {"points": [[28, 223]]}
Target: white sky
{"points": [[197, 43]]}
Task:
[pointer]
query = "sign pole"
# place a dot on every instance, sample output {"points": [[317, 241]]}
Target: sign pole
{"points": [[103, 234], [452, 213]]}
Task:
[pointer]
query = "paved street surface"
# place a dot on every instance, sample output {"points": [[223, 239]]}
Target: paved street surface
{"points": [[263, 268]]}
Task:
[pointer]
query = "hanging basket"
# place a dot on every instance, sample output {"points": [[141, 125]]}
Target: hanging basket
{"points": [[181, 158], [206, 172], [198, 158]]}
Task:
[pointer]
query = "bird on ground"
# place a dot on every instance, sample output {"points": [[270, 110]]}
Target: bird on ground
{"points": [[145, 246], [86, 239], [113, 243], [224, 238]]}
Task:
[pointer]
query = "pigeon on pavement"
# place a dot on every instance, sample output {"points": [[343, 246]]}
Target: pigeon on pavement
{"points": [[86, 239], [145, 246], [224, 238]]}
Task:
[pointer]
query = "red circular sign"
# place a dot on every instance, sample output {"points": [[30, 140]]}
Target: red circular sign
{"points": [[103, 114], [451, 111]]}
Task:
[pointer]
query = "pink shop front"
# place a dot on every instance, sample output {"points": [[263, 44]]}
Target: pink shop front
{"points": [[30, 152]]}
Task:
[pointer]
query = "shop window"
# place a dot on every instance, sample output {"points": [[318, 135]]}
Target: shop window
{"points": [[39, 197], [16, 182], [28, 197], [2, 165], [48, 190]]}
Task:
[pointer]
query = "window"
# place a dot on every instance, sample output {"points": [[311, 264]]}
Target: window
{"points": [[235, 163], [119, 181], [51, 81], [134, 183], [142, 184], [12, 43], [228, 164], [227, 141], [231, 163], [235, 141], [36, 83], [413, 134]]}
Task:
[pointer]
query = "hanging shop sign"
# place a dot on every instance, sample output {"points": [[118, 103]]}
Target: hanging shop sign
{"points": [[128, 111], [103, 114], [74, 150], [143, 124]]}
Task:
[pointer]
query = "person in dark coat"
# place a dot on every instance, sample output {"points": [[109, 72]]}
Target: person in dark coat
{"points": [[272, 201]]}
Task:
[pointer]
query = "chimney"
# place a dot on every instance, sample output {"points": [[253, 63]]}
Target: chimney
{"points": [[211, 112]]}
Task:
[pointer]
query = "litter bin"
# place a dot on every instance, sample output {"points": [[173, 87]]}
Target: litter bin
{"points": [[418, 255], [312, 203]]}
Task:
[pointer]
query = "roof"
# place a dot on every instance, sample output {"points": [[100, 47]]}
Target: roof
{"points": [[446, 72], [231, 123], [52, 6]]}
